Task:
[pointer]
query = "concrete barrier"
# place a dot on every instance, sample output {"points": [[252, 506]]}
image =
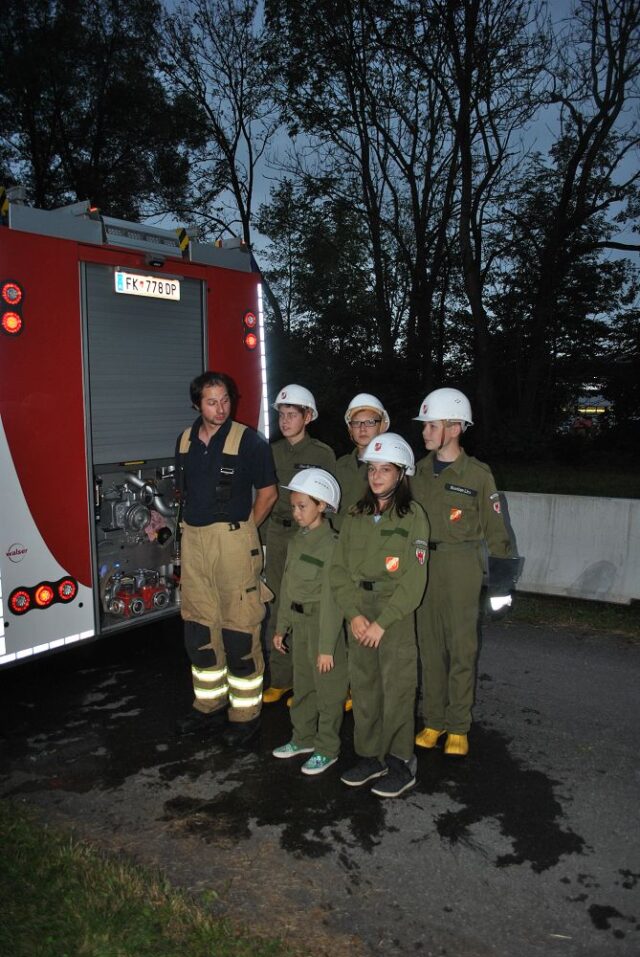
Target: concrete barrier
{"points": [[577, 545]]}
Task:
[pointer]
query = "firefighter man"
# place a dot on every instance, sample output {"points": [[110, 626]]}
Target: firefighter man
{"points": [[220, 464], [459, 496], [366, 418], [296, 450]]}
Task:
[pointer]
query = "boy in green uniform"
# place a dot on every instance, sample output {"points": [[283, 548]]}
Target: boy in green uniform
{"points": [[296, 450], [460, 498], [366, 418], [309, 613], [379, 574]]}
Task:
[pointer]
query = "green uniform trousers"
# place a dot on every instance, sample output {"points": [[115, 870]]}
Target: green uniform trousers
{"points": [[318, 699], [383, 686], [448, 637]]}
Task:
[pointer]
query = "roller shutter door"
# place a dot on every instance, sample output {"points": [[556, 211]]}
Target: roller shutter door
{"points": [[141, 355]]}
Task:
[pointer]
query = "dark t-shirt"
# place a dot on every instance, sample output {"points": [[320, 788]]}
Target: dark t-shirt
{"points": [[253, 469]]}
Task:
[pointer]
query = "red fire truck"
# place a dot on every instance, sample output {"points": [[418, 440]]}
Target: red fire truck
{"points": [[103, 323]]}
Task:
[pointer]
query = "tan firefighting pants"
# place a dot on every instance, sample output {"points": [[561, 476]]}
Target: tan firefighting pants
{"points": [[222, 607]]}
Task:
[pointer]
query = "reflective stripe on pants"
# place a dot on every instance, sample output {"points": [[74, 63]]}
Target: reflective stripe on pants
{"points": [[222, 591]]}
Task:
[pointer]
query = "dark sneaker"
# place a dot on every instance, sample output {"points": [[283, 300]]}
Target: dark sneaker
{"points": [[241, 733], [199, 722], [365, 770], [401, 777]]}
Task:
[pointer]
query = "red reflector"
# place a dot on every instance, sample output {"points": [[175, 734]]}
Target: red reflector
{"points": [[11, 293], [67, 589], [250, 320], [11, 323], [251, 340], [20, 601], [44, 595]]}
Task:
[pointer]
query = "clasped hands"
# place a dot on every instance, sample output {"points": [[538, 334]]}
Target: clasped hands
{"points": [[365, 632]]}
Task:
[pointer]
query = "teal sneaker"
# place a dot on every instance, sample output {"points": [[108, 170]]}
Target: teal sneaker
{"points": [[317, 763], [290, 750]]}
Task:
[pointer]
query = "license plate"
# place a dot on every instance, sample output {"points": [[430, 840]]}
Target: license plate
{"points": [[154, 287]]}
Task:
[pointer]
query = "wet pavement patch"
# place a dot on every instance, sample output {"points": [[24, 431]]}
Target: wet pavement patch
{"points": [[520, 799], [107, 724], [603, 915], [316, 816]]}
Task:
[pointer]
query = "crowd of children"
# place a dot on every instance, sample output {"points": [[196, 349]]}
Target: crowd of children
{"points": [[397, 540]]}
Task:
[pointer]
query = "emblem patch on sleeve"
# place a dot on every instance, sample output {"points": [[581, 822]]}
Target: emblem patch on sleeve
{"points": [[455, 514], [496, 507], [421, 550], [392, 563]]}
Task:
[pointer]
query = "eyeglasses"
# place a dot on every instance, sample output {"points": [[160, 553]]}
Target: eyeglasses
{"points": [[364, 423]]}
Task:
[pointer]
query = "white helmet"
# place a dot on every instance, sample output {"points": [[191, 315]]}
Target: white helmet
{"points": [[319, 484], [364, 400], [390, 448], [296, 395], [446, 404]]}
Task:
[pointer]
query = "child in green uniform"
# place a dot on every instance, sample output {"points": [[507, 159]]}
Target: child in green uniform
{"points": [[459, 495], [379, 574], [295, 451], [366, 418], [309, 613]]}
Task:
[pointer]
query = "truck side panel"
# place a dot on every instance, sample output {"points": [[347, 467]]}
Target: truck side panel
{"points": [[41, 399]]}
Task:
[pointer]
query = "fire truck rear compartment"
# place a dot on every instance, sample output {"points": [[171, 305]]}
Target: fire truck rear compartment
{"points": [[141, 355]]}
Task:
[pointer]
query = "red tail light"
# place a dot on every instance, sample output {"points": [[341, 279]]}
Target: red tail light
{"points": [[25, 598], [20, 601], [11, 293], [44, 595], [67, 589], [11, 296], [11, 323], [249, 333]]}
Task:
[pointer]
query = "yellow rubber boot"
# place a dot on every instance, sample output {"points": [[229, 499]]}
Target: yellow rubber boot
{"points": [[457, 744], [428, 737], [271, 695]]}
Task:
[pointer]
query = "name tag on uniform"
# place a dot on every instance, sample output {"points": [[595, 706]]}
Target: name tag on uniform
{"points": [[460, 489]]}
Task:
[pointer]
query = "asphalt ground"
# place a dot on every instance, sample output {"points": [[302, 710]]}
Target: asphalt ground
{"points": [[530, 846]]}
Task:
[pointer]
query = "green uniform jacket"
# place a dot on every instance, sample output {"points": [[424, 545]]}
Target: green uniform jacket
{"points": [[392, 553], [306, 582], [352, 476], [462, 503], [290, 459]]}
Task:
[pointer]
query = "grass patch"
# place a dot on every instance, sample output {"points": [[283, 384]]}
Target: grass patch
{"points": [[593, 616], [63, 898], [568, 480]]}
